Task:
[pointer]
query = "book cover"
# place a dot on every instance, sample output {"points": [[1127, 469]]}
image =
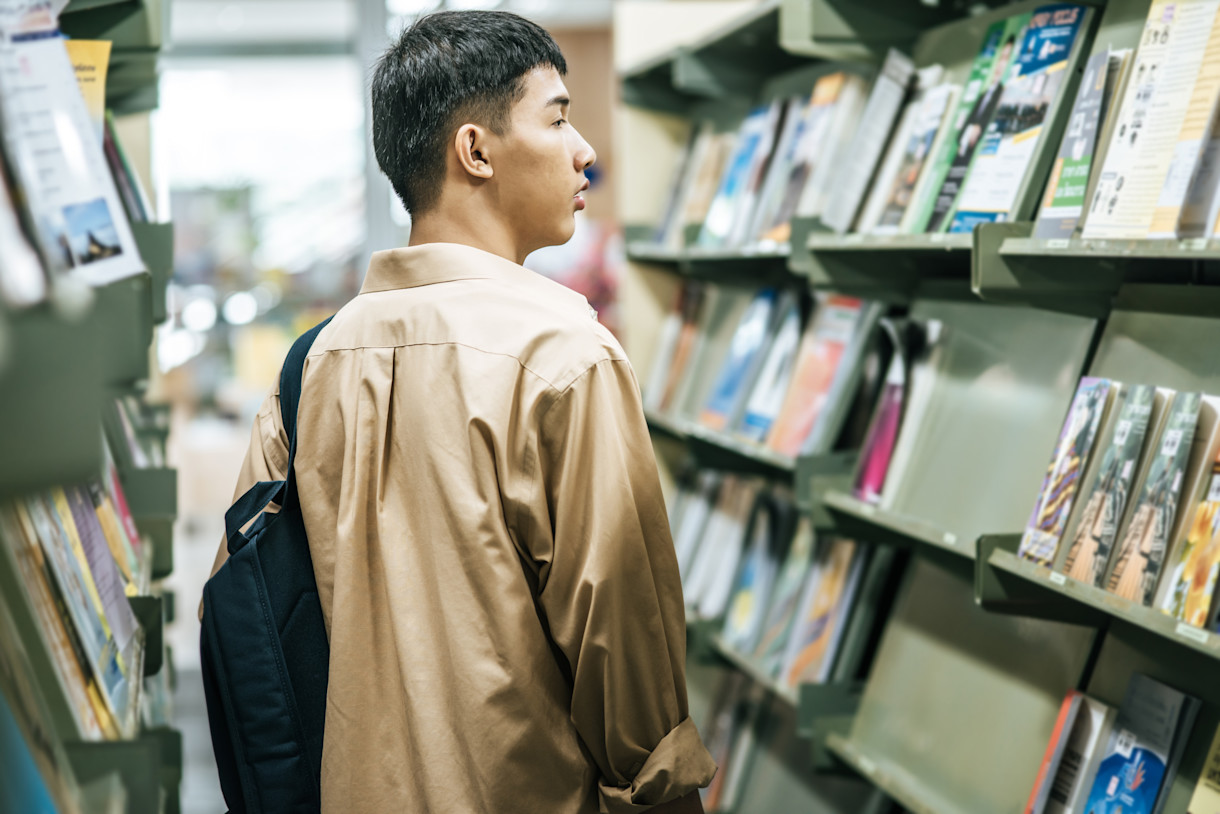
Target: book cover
{"points": [[891, 159], [826, 339], [1055, 748], [845, 386], [767, 394], [695, 298], [718, 319], [1105, 500], [663, 358], [1146, 536], [837, 147], [1011, 137], [768, 533], [24, 789], [978, 104], [1192, 579], [1149, 119], [1055, 499], [784, 598], [1133, 770], [931, 118], [746, 350], [708, 167], [1206, 798], [1065, 191], [688, 525], [754, 141], [823, 610], [851, 180], [669, 228], [784, 158], [1082, 753]]}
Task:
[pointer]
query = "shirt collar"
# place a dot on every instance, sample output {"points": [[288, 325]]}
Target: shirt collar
{"points": [[431, 263]]}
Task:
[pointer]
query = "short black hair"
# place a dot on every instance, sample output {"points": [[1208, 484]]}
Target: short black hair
{"points": [[447, 66]]}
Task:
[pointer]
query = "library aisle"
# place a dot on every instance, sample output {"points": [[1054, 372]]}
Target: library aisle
{"points": [[921, 297]]}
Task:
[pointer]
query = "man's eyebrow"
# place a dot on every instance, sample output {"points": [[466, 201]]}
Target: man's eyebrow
{"points": [[562, 101]]}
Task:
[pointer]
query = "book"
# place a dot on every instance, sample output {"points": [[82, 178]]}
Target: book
{"points": [[891, 159], [1206, 797], [1072, 777], [669, 229], [769, 532], [23, 280], [775, 375], [669, 338], [1103, 503], [688, 525], [1185, 181], [731, 713], [741, 365], [883, 428], [693, 299], [975, 109], [784, 158], [724, 549], [1069, 181], [1150, 118], [1148, 531], [1135, 768], [876, 124], [823, 613], [929, 122], [1055, 501], [718, 318], [785, 596], [1025, 111], [833, 146], [61, 171], [739, 184], [708, 166], [1192, 578], [1055, 749], [831, 330]]}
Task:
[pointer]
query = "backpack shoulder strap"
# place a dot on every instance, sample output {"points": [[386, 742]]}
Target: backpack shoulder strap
{"points": [[290, 382]]}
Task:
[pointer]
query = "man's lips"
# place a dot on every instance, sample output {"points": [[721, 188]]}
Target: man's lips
{"points": [[580, 201]]}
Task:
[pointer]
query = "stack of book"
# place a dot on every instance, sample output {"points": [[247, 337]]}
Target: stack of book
{"points": [[748, 364], [1129, 501]]}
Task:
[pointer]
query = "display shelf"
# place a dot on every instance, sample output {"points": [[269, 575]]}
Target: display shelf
{"points": [[122, 314], [156, 244], [751, 668], [851, 29], [131, 26], [78, 6], [152, 496], [1006, 583], [823, 710], [701, 636], [151, 614], [818, 474], [51, 378], [884, 267], [138, 761], [718, 450], [871, 522], [904, 787]]}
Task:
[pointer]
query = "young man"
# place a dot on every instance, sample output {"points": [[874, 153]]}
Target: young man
{"points": [[477, 482]]}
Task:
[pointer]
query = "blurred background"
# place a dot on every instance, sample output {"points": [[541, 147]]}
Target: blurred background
{"points": [[259, 154]]}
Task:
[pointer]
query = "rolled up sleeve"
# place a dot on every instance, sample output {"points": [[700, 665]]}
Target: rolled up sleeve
{"points": [[610, 589]]}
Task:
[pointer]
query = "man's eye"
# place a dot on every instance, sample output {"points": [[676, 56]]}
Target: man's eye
{"points": [[560, 122]]}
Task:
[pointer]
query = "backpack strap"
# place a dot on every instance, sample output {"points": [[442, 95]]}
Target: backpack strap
{"points": [[291, 375]]}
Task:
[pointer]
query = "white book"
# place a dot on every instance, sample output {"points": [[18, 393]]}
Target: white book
{"points": [[873, 132], [924, 141], [771, 386], [667, 342], [1078, 764], [689, 526], [1145, 137], [727, 544], [834, 147]]}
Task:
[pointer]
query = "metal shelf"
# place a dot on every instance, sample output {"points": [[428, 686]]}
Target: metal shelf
{"points": [[903, 787], [876, 524], [720, 450]]}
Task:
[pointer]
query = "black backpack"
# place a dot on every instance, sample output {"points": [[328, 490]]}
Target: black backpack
{"points": [[264, 649]]}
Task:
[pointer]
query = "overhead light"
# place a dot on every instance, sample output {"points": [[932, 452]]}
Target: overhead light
{"points": [[240, 308]]}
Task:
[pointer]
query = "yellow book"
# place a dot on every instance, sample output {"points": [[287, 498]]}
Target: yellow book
{"points": [[1206, 799]]}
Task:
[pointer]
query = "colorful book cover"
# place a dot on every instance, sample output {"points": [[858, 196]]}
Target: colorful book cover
{"points": [[754, 142], [810, 652], [767, 395], [827, 337], [747, 348], [1054, 504], [1065, 191], [1073, 777], [24, 788], [811, 129], [1106, 504], [789, 583], [882, 433], [1146, 537], [1133, 771], [1055, 747], [694, 297], [1193, 577], [1012, 135], [768, 532], [977, 104], [784, 157], [929, 120]]}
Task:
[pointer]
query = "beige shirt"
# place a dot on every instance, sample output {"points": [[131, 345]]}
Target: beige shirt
{"points": [[491, 549]]}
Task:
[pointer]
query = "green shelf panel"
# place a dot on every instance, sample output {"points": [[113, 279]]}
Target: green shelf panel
{"points": [[143, 100], [78, 6], [51, 381], [1196, 249], [718, 450], [152, 495], [150, 612], [904, 787], [700, 639], [751, 668], [156, 245], [150, 767], [129, 25], [122, 315], [890, 268], [645, 251], [823, 711], [959, 703], [1162, 335], [853, 30], [1006, 583], [818, 474], [870, 522]]}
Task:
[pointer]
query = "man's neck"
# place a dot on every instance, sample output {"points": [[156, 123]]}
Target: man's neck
{"points": [[489, 236]]}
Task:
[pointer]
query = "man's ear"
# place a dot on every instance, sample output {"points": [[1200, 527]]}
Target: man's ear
{"points": [[472, 144]]}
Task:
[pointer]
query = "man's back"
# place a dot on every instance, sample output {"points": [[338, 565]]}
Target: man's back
{"points": [[491, 551]]}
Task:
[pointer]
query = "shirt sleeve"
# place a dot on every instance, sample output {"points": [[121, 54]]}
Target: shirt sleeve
{"points": [[611, 594], [266, 459]]}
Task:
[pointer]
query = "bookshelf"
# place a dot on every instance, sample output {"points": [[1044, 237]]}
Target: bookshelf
{"points": [[67, 360], [964, 685]]}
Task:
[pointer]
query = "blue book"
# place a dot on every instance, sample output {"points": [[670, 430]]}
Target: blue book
{"points": [[1144, 747], [740, 367], [23, 788]]}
